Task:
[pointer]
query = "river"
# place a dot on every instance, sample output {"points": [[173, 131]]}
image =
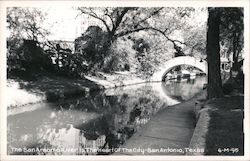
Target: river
{"points": [[96, 123]]}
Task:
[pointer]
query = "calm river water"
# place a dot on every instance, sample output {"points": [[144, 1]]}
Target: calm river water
{"points": [[94, 124]]}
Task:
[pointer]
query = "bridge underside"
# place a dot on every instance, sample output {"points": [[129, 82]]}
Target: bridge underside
{"points": [[182, 60]]}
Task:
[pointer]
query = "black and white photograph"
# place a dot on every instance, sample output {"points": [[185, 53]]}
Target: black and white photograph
{"points": [[125, 80]]}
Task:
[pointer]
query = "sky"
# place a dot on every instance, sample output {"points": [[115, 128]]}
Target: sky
{"points": [[63, 23], [66, 23]]}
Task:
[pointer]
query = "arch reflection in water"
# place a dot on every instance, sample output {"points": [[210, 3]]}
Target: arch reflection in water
{"points": [[183, 89]]}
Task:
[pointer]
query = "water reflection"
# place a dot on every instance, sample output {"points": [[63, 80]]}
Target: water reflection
{"points": [[102, 120], [181, 90]]}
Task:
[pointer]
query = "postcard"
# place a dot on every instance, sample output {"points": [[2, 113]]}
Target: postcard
{"points": [[124, 80]]}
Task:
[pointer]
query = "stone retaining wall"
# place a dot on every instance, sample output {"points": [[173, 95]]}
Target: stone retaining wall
{"points": [[198, 140]]}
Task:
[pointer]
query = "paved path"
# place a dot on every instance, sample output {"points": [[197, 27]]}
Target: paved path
{"points": [[170, 129]]}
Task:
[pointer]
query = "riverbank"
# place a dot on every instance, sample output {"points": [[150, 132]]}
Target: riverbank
{"points": [[219, 128], [225, 131], [115, 79], [54, 88], [46, 89]]}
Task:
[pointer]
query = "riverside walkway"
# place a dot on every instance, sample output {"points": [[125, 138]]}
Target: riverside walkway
{"points": [[171, 129]]}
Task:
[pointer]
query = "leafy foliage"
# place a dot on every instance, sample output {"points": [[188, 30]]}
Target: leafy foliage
{"points": [[24, 53], [160, 23], [121, 21], [26, 23], [27, 59], [145, 64], [92, 46], [231, 32], [121, 56], [65, 62]]}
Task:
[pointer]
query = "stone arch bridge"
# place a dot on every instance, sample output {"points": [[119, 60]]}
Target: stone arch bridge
{"points": [[181, 60]]}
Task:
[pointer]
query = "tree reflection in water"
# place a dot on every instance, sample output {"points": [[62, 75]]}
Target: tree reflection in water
{"points": [[101, 120]]}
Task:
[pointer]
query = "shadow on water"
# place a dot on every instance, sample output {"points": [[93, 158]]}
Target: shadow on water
{"points": [[95, 124]]}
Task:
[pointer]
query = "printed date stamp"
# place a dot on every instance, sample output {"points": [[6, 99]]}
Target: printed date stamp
{"points": [[228, 150]]}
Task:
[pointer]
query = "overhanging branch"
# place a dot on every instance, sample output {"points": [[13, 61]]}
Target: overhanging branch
{"points": [[110, 17], [94, 15], [153, 29], [119, 18], [151, 15]]}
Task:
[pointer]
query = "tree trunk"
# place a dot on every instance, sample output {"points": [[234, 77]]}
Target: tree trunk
{"points": [[214, 89], [236, 52]]}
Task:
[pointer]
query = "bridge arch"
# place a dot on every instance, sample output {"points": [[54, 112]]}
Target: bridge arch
{"points": [[181, 60]]}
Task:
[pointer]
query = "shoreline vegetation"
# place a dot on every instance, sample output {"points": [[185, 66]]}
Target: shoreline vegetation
{"points": [[53, 88]]}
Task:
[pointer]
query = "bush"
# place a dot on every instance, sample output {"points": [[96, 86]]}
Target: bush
{"points": [[92, 46], [229, 86], [25, 58]]}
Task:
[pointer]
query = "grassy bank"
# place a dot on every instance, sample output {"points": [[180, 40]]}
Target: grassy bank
{"points": [[225, 132], [219, 128], [46, 88], [17, 96], [53, 88]]}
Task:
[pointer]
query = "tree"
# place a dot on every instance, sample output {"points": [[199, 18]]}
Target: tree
{"points": [[214, 89], [231, 33], [126, 21], [26, 23], [195, 34], [24, 54], [121, 21], [90, 44]]}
